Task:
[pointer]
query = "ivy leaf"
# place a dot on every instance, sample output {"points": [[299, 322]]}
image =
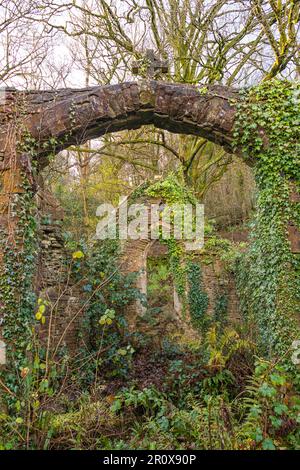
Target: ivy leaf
{"points": [[277, 379], [116, 406], [268, 444], [276, 422], [258, 436], [266, 391], [280, 408], [255, 411], [87, 288], [122, 352]]}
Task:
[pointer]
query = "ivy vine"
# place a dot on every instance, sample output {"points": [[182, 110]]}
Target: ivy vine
{"points": [[19, 259], [17, 298], [268, 132], [197, 297], [173, 191]]}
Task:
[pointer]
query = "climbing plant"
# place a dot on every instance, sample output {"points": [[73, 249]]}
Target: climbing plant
{"points": [[267, 131], [174, 192], [104, 328], [220, 313], [16, 295], [19, 249], [197, 297], [19, 246]]}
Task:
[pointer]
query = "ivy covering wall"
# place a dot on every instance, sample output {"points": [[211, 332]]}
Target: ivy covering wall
{"points": [[268, 132], [17, 299]]}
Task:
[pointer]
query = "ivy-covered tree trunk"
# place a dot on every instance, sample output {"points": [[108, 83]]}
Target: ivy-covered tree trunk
{"points": [[267, 128]]}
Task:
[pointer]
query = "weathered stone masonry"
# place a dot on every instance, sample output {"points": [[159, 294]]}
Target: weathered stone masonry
{"points": [[54, 282]]}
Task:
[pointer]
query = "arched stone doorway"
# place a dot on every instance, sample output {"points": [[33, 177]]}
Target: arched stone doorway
{"points": [[134, 260], [217, 282], [35, 125]]}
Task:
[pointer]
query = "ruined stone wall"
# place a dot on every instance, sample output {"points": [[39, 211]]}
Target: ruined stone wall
{"points": [[66, 303], [54, 281], [217, 281], [134, 260]]}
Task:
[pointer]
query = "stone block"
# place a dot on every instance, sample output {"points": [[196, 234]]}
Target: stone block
{"points": [[294, 238], [2, 353]]}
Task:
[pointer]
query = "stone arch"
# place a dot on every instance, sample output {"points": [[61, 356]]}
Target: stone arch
{"points": [[36, 124], [135, 254], [75, 116], [134, 260]]}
